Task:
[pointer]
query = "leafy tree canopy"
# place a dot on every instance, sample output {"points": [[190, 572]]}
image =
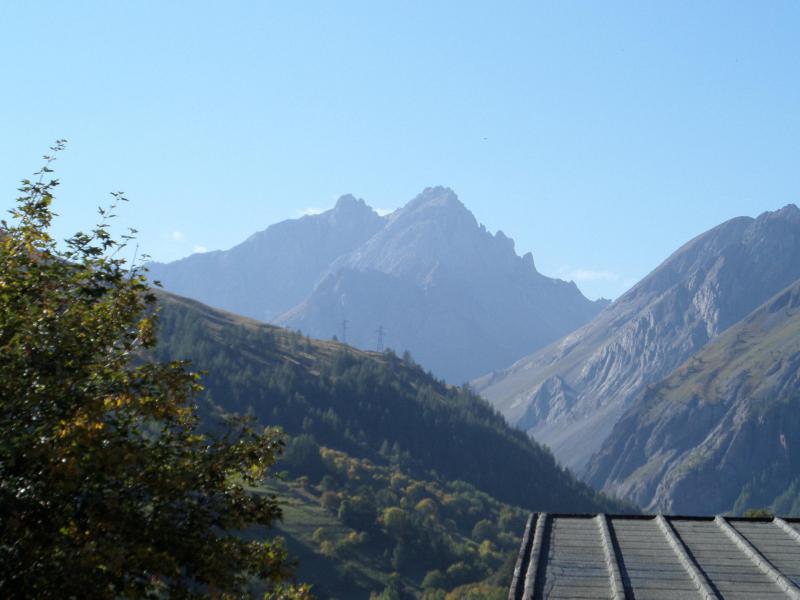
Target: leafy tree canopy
{"points": [[108, 486]]}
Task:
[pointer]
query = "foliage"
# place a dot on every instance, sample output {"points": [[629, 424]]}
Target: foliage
{"points": [[404, 461], [432, 549], [108, 486], [478, 591], [758, 513]]}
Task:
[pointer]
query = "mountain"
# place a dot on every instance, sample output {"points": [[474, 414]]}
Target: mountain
{"points": [[570, 394], [393, 479], [721, 433], [442, 287], [428, 276], [275, 269]]}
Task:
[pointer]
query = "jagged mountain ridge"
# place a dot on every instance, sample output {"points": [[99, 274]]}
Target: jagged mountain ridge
{"points": [[722, 432], [570, 394], [429, 276], [459, 298]]}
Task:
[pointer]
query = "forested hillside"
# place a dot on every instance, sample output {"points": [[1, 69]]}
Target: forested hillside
{"points": [[367, 404], [400, 472], [363, 528]]}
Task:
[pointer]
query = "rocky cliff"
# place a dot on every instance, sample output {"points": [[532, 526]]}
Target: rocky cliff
{"points": [[570, 394], [721, 433]]}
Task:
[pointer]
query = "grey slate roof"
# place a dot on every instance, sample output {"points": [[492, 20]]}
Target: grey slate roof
{"points": [[657, 557]]}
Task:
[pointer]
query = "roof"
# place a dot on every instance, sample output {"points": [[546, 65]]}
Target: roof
{"points": [[657, 557]]}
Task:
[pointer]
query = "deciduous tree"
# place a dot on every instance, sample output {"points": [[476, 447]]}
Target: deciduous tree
{"points": [[109, 487]]}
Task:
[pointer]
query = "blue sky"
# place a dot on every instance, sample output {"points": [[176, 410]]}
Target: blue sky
{"points": [[599, 135]]}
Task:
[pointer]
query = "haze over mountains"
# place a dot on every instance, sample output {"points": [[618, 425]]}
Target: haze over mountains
{"points": [[570, 394], [435, 281]]}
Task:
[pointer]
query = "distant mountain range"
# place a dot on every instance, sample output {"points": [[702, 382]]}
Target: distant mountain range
{"points": [[722, 432], [428, 277], [570, 394]]}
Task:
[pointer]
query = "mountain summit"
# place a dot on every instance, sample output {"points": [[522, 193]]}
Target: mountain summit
{"points": [[350, 205], [570, 394], [428, 277], [440, 285]]}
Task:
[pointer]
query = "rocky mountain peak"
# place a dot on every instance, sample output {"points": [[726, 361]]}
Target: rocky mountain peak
{"points": [[527, 260], [440, 284], [350, 205], [505, 241], [437, 202], [790, 211], [718, 434]]}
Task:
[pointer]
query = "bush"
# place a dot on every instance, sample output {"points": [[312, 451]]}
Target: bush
{"points": [[395, 522], [484, 530], [434, 580], [330, 502], [459, 574]]}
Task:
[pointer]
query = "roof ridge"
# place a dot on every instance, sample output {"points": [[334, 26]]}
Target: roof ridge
{"points": [[536, 553], [689, 564], [758, 559], [612, 559]]}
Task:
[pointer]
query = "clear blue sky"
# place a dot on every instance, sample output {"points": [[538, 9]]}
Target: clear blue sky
{"points": [[599, 135]]}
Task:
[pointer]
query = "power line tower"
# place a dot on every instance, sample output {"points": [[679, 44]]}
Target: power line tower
{"points": [[380, 333], [344, 331]]}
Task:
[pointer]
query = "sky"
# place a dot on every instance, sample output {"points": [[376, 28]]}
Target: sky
{"points": [[600, 136]]}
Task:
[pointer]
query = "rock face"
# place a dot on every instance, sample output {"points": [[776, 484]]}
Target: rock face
{"points": [[570, 394], [721, 433], [429, 276]]}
